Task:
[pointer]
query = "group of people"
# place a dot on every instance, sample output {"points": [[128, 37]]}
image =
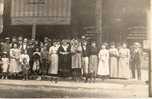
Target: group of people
{"points": [[76, 58]]}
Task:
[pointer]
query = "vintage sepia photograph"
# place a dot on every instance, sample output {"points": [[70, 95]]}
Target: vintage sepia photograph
{"points": [[75, 48]]}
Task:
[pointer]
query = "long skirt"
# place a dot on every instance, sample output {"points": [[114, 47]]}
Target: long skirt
{"points": [[36, 69], [124, 71], [44, 66], [5, 68], [85, 65], [93, 64], [103, 68], [14, 66], [64, 65], [53, 68], [113, 67], [76, 61]]}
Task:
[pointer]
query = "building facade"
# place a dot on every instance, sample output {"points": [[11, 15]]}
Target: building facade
{"points": [[106, 20]]}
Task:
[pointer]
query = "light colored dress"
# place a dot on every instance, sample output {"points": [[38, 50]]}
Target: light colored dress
{"points": [[113, 62], [103, 66], [14, 61], [36, 62], [76, 56], [25, 66], [124, 56], [53, 52], [24, 56], [5, 65]]}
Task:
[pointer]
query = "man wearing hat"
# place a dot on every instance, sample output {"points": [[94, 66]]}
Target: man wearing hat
{"points": [[25, 44], [136, 60], [85, 58], [13, 41], [20, 42], [30, 51]]}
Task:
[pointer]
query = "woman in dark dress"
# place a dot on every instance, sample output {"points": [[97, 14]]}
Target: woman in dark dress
{"points": [[64, 59]]}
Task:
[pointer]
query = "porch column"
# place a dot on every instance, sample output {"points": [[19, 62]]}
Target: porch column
{"points": [[98, 12], [1, 15], [34, 31], [149, 21]]}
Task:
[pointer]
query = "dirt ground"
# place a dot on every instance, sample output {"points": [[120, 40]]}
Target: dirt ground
{"points": [[64, 89]]}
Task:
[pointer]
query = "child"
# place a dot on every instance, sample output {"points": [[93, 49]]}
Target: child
{"points": [[5, 65], [24, 60]]}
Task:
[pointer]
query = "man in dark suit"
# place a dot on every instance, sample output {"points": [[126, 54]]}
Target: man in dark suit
{"points": [[136, 60]]}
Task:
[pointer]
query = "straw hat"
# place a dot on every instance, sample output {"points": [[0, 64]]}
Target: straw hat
{"points": [[7, 38], [137, 44]]}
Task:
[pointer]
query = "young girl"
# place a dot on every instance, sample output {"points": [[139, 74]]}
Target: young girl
{"points": [[24, 60], [5, 64]]}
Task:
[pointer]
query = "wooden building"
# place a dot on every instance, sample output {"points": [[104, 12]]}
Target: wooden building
{"points": [[106, 20]]}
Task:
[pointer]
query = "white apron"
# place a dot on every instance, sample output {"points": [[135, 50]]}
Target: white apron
{"points": [[103, 66], [14, 61], [124, 70], [5, 65], [113, 62]]}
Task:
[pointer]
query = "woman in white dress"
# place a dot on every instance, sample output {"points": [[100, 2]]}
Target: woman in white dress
{"points": [[14, 68], [53, 53], [103, 66], [124, 56], [113, 61]]}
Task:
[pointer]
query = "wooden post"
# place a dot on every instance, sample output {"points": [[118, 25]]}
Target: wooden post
{"points": [[150, 74], [98, 11], [1, 15], [150, 41], [34, 31]]}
